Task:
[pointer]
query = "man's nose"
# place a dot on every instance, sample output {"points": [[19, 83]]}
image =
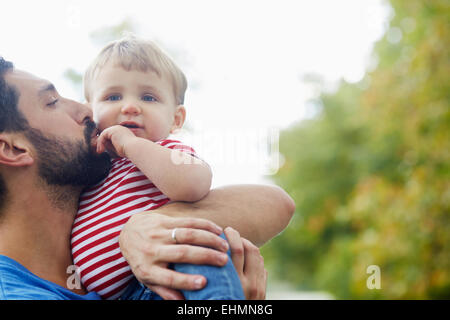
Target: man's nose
{"points": [[130, 108], [80, 112]]}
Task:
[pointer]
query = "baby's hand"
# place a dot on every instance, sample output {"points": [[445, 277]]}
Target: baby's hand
{"points": [[114, 139]]}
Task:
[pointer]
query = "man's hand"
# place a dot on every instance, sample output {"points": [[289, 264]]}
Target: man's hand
{"points": [[146, 243], [249, 265], [113, 139]]}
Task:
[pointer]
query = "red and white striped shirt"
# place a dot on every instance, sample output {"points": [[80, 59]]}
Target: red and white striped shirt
{"points": [[103, 210]]}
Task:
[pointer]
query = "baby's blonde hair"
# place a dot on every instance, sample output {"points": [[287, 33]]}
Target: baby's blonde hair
{"points": [[132, 53]]}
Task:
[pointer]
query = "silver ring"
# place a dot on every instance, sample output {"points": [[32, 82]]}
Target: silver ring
{"points": [[174, 235]]}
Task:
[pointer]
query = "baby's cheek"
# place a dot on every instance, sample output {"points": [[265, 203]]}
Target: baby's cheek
{"points": [[158, 130], [103, 118]]}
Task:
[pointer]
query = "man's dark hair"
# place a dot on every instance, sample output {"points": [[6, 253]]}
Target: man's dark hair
{"points": [[11, 119]]}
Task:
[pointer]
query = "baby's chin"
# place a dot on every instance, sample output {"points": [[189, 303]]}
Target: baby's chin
{"points": [[138, 132], [141, 133]]}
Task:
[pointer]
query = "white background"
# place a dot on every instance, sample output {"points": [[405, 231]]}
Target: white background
{"points": [[244, 60]]}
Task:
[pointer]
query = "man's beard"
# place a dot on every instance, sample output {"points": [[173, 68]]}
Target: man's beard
{"points": [[64, 162]]}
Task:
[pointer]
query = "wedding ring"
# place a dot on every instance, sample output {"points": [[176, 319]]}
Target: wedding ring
{"points": [[174, 235]]}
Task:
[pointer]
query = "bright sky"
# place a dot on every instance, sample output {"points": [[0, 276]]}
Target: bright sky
{"points": [[245, 60]]}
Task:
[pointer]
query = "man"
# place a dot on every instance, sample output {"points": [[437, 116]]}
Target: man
{"points": [[47, 158]]}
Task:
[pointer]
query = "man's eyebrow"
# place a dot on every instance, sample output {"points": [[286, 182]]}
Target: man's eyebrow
{"points": [[47, 88]]}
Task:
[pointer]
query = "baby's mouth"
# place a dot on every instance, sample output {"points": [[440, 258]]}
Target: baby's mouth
{"points": [[130, 124]]}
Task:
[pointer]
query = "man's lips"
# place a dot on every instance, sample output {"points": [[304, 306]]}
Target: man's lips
{"points": [[90, 133], [96, 132], [94, 138]]}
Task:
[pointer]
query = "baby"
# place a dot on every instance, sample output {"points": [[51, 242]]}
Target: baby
{"points": [[137, 95]]}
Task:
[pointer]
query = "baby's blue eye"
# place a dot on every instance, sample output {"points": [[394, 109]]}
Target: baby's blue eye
{"points": [[114, 97], [148, 98]]}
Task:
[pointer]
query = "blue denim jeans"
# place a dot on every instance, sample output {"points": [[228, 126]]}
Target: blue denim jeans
{"points": [[223, 283]]}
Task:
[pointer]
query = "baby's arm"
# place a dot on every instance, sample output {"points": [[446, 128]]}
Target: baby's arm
{"points": [[177, 174]]}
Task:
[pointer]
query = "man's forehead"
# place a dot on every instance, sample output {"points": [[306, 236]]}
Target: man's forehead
{"points": [[22, 79]]}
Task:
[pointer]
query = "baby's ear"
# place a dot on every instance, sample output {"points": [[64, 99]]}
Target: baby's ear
{"points": [[178, 118]]}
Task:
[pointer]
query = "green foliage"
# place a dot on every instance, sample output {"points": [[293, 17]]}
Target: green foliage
{"points": [[370, 174]]}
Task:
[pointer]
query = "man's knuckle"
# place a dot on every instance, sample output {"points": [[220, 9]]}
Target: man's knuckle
{"points": [[142, 274], [191, 221], [151, 250], [238, 251], [253, 291], [170, 280], [253, 249], [153, 236], [181, 253], [146, 248], [189, 234], [260, 260]]}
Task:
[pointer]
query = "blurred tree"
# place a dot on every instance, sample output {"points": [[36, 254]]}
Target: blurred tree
{"points": [[370, 173]]}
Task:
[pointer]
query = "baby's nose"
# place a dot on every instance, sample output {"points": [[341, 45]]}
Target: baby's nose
{"points": [[131, 108]]}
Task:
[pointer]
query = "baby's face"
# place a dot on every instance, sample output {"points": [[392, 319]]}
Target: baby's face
{"points": [[141, 101]]}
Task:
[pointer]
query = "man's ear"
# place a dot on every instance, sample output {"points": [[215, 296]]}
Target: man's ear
{"points": [[178, 119], [14, 151]]}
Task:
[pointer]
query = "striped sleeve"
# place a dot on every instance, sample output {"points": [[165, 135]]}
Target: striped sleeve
{"points": [[178, 145]]}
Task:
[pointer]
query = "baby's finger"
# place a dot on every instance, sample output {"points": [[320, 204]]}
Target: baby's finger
{"points": [[100, 146], [101, 140]]}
